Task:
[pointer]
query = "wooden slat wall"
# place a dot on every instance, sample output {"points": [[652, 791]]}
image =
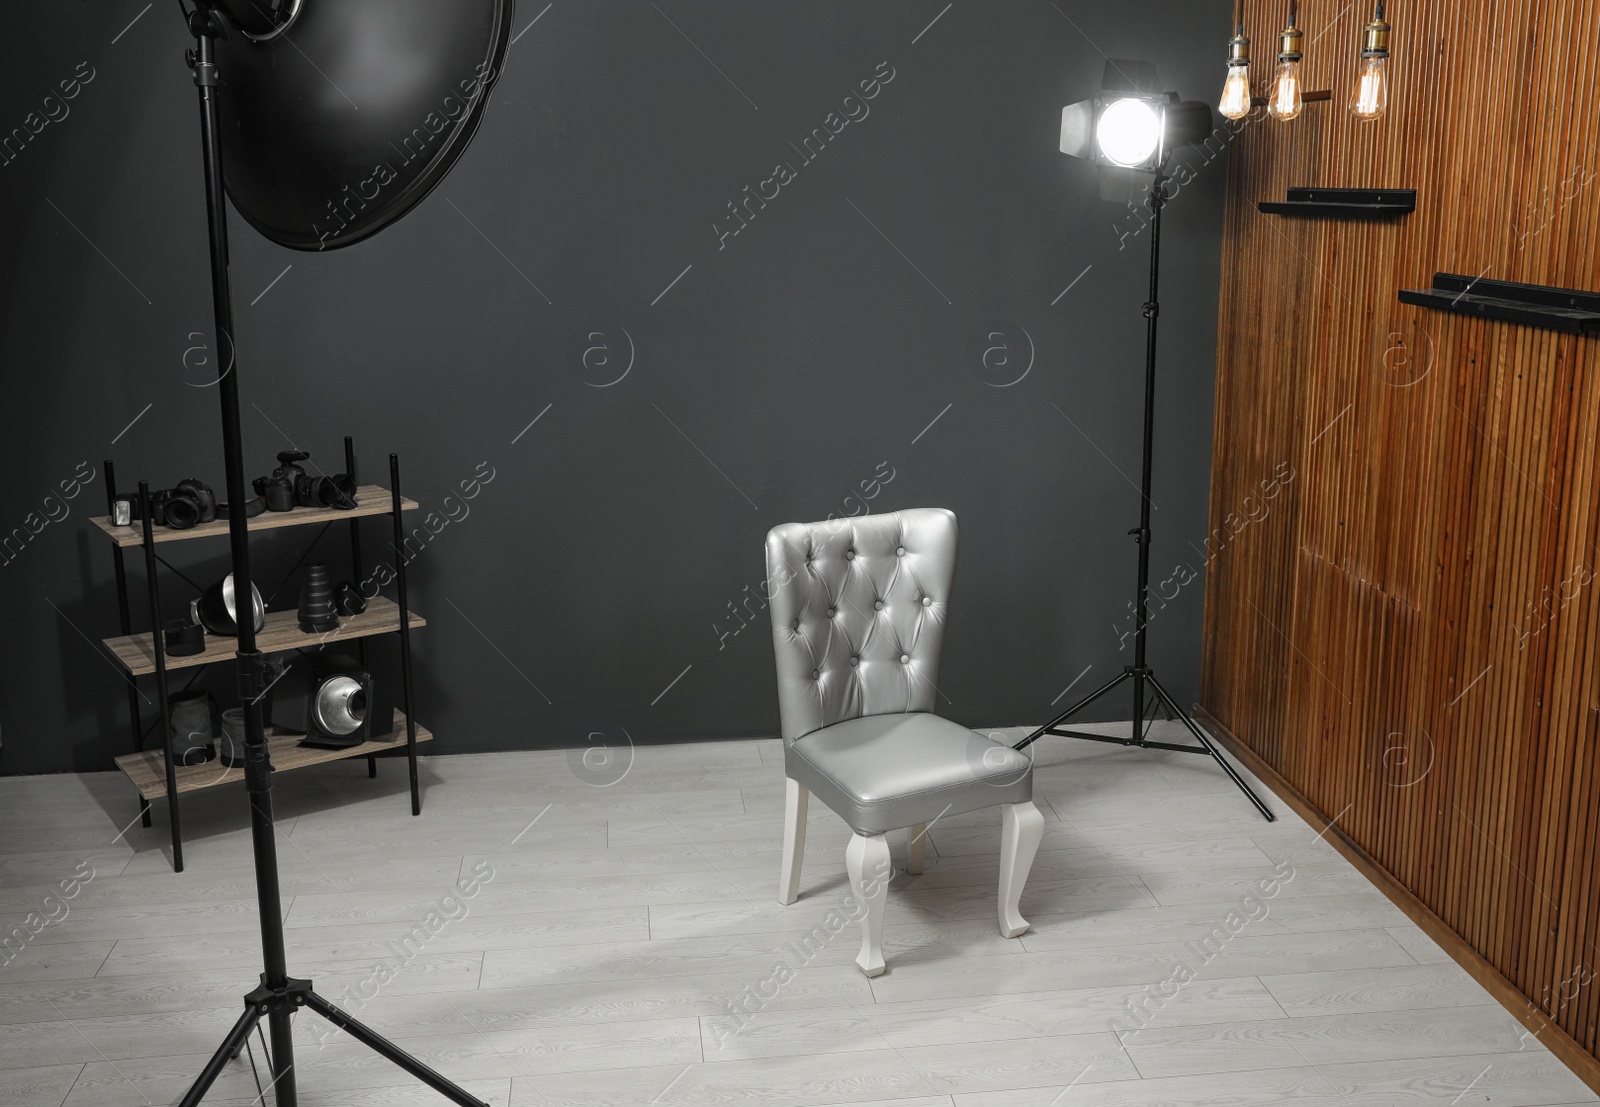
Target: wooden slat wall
{"points": [[1409, 637]]}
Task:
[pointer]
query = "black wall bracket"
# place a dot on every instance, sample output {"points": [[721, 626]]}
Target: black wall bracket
{"points": [[1344, 203], [1568, 310]]}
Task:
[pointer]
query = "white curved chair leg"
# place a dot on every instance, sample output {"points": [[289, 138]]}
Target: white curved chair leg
{"points": [[795, 800], [866, 859], [916, 848], [1021, 829]]}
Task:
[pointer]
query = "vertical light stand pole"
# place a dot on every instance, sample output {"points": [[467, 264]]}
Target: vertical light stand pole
{"points": [[250, 664], [1140, 672], [279, 995]]}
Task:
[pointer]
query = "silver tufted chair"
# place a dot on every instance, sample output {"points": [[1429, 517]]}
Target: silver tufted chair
{"points": [[858, 616]]}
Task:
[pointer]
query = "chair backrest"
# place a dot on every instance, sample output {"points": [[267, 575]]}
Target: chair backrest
{"points": [[858, 614]]}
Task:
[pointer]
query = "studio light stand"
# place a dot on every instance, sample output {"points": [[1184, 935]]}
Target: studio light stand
{"points": [[279, 995], [1083, 122]]}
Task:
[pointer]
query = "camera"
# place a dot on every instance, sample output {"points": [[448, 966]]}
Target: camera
{"points": [[290, 486], [188, 504]]}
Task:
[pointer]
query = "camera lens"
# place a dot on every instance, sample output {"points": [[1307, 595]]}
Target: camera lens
{"points": [[183, 511], [336, 491], [322, 493], [345, 488]]}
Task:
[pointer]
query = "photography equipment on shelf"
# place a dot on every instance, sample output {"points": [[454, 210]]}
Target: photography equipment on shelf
{"points": [[273, 141], [184, 638], [290, 486], [335, 702], [1132, 129], [317, 614], [217, 611], [276, 492], [230, 747], [348, 600], [196, 723], [190, 503], [187, 504]]}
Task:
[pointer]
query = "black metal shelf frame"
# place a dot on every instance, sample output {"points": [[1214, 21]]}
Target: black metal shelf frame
{"points": [[153, 590]]}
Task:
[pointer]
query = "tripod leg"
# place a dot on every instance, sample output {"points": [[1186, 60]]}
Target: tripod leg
{"points": [[1074, 709], [387, 1049], [226, 1052], [1216, 755], [284, 1093]]}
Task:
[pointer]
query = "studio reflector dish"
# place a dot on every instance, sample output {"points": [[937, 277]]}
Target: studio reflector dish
{"points": [[339, 116]]}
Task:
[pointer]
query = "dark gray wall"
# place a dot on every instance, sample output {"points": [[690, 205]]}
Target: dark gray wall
{"points": [[808, 354]]}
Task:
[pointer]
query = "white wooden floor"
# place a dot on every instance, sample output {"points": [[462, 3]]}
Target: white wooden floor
{"points": [[612, 930]]}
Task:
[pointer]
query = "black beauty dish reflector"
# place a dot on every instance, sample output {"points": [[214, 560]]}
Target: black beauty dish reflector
{"points": [[339, 116]]}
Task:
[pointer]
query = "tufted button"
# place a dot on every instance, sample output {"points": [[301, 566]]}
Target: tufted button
{"points": [[854, 661], [849, 555], [816, 674], [797, 624], [905, 659], [832, 611], [877, 605], [900, 552], [927, 601]]}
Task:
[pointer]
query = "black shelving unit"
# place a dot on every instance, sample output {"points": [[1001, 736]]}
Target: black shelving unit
{"points": [[144, 655]]}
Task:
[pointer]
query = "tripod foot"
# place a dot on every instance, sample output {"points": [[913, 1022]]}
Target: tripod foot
{"points": [[1141, 676], [387, 1049], [227, 1051], [1216, 755]]}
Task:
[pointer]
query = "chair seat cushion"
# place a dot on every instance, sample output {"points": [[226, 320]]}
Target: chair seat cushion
{"points": [[882, 772]]}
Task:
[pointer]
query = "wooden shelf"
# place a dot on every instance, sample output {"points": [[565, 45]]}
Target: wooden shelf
{"points": [[371, 499], [1344, 203], [136, 653], [148, 768], [1568, 310]]}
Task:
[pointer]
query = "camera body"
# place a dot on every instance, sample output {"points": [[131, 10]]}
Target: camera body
{"points": [[185, 505], [190, 503], [290, 486]]}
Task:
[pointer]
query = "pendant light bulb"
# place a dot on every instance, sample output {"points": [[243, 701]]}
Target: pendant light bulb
{"points": [[1371, 97], [1287, 99], [1236, 90]]}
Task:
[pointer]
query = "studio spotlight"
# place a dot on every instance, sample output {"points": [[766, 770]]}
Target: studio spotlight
{"points": [[1129, 132], [1130, 129]]}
